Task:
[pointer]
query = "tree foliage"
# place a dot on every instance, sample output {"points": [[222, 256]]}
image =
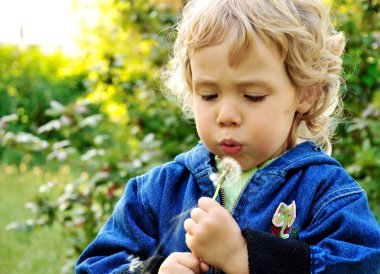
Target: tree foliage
{"points": [[358, 139], [118, 128]]}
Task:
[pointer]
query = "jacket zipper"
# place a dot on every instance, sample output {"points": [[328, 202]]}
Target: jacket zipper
{"points": [[223, 203], [222, 197], [239, 196]]}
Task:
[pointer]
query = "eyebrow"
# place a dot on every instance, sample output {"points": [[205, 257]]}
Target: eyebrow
{"points": [[256, 83], [240, 83]]}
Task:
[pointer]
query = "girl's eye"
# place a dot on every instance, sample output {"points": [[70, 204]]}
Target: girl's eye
{"points": [[255, 98], [209, 97]]}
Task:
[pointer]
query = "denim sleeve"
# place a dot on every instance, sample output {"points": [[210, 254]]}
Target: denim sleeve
{"points": [[344, 235], [126, 244]]}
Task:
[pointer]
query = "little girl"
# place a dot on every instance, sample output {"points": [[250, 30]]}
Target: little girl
{"points": [[261, 80]]}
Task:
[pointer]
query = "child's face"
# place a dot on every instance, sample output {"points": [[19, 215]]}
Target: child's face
{"points": [[246, 111]]}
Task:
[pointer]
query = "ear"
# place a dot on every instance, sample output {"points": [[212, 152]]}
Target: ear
{"points": [[307, 99]]}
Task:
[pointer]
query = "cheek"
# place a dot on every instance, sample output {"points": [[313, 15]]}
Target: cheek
{"points": [[269, 128], [201, 120], [203, 123], [202, 113]]}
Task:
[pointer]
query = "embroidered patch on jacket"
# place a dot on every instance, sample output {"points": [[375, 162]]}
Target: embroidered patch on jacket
{"points": [[283, 219]]}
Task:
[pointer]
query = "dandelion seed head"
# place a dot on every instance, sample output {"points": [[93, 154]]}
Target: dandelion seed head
{"points": [[214, 177], [232, 170], [230, 165]]}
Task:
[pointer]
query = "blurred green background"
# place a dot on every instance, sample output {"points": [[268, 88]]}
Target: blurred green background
{"points": [[75, 128]]}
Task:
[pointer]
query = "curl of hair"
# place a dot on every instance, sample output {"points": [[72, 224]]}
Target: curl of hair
{"points": [[310, 46]]}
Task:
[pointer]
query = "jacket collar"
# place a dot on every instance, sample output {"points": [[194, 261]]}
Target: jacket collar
{"points": [[200, 161], [304, 154]]}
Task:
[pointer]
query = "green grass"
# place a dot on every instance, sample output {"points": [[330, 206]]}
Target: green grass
{"points": [[38, 251]]}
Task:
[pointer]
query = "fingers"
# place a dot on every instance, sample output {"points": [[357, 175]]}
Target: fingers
{"points": [[204, 267], [189, 226], [184, 263], [211, 233], [196, 217], [205, 206], [197, 214], [190, 261], [205, 215], [206, 203], [209, 204]]}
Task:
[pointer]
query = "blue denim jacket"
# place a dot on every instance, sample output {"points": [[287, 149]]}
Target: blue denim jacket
{"points": [[332, 213]]}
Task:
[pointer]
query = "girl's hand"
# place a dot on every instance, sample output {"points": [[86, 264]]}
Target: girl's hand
{"points": [[215, 237], [184, 263]]}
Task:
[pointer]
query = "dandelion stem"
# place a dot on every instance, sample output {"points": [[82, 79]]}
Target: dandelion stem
{"points": [[220, 182]]}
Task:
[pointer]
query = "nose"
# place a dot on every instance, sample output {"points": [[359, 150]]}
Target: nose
{"points": [[229, 115]]}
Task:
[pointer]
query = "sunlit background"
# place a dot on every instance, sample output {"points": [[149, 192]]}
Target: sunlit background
{"points": [[50, 24]]}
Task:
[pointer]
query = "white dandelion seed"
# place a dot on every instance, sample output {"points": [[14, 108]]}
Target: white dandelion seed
{"points": [[135, 263], [214, 177]]}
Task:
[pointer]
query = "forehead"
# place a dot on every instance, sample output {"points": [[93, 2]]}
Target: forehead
{"points": [[236, 47], [257, 56], [210, 67]]}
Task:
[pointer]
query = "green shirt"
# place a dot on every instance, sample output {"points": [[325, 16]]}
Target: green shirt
{"points": [[232, 193]]}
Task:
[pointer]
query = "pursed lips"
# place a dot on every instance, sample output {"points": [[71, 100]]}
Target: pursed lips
{"points": [[230, 146]]}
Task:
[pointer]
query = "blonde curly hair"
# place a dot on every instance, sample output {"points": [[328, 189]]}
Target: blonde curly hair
{"points": [[305, 37]]}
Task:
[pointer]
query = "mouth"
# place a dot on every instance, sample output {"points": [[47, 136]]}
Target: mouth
{"points": [[230, 146]]}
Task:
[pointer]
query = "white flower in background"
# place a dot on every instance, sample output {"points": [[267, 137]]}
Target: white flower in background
{"points": [[92, 153], [61, 144], [57, 106], [54, 124], [6, 119], [99, 139], [91, 121]]}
